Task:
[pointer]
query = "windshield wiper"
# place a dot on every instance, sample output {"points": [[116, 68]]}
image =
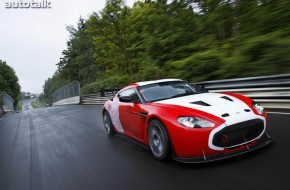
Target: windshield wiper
{"points": [[175, 96], [180, 95]]}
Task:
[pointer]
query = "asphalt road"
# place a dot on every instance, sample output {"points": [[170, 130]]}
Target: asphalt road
{"points": [[26, 104], [66, 147]]}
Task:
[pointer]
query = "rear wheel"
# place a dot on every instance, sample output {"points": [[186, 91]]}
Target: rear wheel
{"points": [[108, 125], [158, 140]]}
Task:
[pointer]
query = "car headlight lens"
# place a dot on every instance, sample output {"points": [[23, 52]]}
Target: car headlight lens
{"points": [[258, 107], [195, 122]]}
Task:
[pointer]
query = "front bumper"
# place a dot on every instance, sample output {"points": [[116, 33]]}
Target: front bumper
{"points": [[263, 141]]}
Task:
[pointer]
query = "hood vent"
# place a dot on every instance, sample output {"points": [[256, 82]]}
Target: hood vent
{"points": [[201, 103], [247, 110], [225, 115], [226, 98]]}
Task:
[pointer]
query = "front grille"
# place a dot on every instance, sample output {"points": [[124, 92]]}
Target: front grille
{"points": [[238, 133]]}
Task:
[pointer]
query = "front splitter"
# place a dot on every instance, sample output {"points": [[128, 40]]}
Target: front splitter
{"points": [[264, 141]]}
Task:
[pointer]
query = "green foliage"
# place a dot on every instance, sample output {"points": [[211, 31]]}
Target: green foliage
{"points": [[196, 66], [195, 40], [19, 105], [9, 81], [116, 81], [1, 102], [51, 85], [37, 104], [33, 105]]}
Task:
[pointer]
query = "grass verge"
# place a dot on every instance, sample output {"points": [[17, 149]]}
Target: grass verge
{"points": [[37, 104], [19, 105]]}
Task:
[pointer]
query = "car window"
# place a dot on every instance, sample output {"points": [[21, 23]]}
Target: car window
{"points": [[128, 92], [167, 90]]}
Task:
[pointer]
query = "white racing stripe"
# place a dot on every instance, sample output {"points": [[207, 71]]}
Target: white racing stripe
{"points": [[218, 107], [114, 113], [156, 81]]}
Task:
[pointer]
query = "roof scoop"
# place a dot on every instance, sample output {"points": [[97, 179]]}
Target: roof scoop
{"points": [[227, 98], [201, 103]]}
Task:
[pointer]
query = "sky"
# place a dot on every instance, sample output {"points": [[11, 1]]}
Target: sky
{"points": [[31, 40]]}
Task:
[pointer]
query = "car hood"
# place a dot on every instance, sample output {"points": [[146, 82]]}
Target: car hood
{"points": [[227, 107]]}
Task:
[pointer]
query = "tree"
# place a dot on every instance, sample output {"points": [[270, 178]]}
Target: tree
{"points": [[194, 40], [9, 81], [78, 62]]}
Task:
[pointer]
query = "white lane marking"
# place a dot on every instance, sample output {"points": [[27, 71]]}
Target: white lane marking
{"points": [[2, 118]]}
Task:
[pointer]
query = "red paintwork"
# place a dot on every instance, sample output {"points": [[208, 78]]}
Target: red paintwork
{"points": [[132, 123], [186, 142], [130, 86]]}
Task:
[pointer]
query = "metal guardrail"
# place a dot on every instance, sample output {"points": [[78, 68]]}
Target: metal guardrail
{"points": [[6, 102], [272, 92], [68, 94], [99, 98], [34, 104], [282, 80]]}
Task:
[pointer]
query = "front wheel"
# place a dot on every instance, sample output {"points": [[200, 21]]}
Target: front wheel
{"points": [[158, 140], [108, 125]]}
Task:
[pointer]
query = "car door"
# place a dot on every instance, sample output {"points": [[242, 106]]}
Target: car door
{"points": [[132, 116]]}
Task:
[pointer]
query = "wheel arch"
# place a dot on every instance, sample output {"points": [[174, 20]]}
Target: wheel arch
{"points": [[155, 117], [104, 110]]}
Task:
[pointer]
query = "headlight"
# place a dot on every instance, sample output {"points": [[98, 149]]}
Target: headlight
{"points": [[194, 122], [258, 107]]}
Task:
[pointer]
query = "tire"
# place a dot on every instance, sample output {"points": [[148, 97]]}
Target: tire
{"points": [[108, 125], [158, 140]]}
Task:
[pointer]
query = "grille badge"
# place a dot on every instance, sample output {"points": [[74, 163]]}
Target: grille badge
{"points": [[225, 138]]}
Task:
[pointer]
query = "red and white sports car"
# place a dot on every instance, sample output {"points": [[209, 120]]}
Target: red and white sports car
{"points": [[177, 119]]}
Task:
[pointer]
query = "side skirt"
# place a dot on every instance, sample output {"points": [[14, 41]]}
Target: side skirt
{"points": [[132, 140]]}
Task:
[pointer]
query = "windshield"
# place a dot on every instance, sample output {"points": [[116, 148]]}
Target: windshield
{"points": [[167, 90]]}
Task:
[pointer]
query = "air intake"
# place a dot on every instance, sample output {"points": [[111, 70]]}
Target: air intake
{"points": [[201, 103], [226, 98], [225, 115]]}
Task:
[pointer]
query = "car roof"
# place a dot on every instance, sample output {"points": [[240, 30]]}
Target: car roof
{"points": [[155, 81], [148, 82]]}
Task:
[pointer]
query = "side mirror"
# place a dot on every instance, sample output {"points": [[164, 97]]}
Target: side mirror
{"points": [[125, 99], [202, 88]]}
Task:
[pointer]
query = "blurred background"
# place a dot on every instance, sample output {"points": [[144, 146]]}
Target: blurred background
{"points": [[195, 40]]}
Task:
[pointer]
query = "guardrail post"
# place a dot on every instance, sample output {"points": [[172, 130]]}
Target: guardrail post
{"points": [[102, 92]]}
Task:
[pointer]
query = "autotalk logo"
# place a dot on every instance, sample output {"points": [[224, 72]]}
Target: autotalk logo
{"points": [[45, 4]]}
